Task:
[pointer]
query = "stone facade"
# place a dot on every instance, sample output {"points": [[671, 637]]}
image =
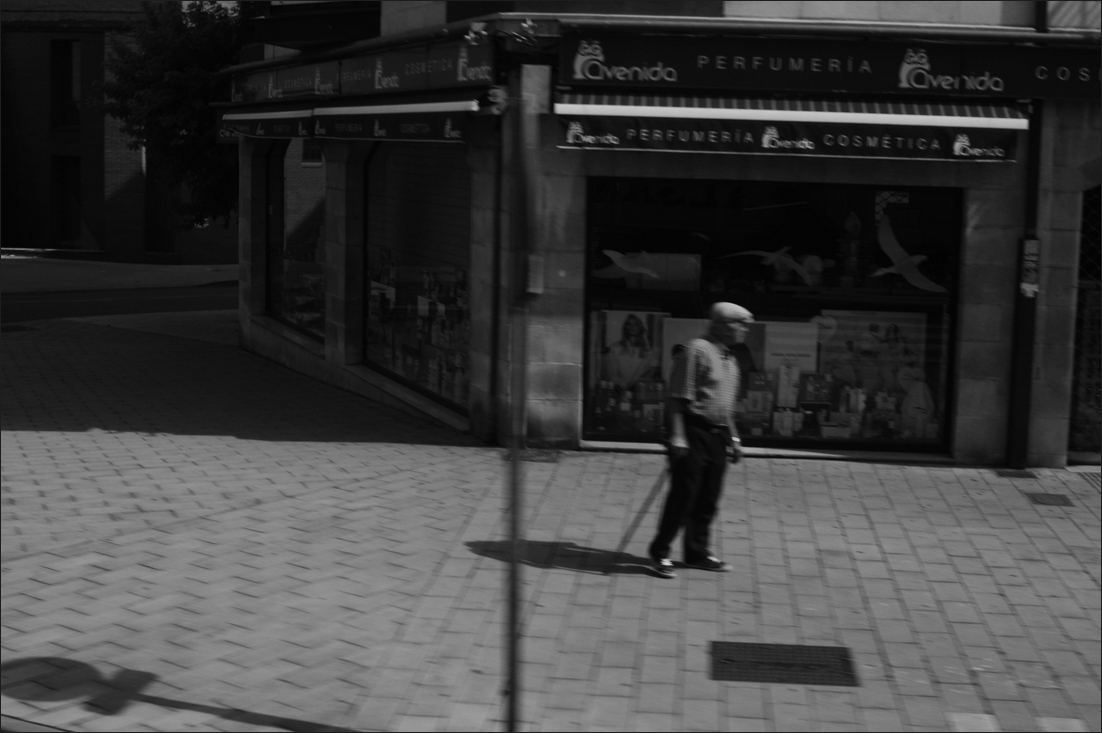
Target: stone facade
{"points": [[554, 227]]}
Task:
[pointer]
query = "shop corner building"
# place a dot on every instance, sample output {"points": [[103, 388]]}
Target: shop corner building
{"points": [[906, 213]]}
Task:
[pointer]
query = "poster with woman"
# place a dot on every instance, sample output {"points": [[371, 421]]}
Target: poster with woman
{"points": [[631, 346], [626, 397]]}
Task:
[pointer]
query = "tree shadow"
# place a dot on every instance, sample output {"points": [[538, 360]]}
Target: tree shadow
{"points": [[565, 555], [53, 679]]}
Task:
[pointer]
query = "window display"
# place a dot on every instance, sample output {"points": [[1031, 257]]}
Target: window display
{"points": [[851, 287], [418, 324]]}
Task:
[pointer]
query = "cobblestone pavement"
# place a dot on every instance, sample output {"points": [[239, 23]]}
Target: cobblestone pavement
{"points": [[198, 539]]}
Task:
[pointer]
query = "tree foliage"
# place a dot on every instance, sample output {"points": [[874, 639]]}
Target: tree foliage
{"points": [[160, 84]]}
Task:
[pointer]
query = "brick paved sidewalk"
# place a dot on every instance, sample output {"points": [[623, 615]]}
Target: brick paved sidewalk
{"points": [[197, 539]]}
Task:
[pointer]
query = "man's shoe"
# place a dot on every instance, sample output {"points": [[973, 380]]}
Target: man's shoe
{"points": [[663, 567], [710, 563]]}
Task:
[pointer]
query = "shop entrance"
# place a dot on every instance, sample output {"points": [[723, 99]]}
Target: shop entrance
{"points": [[853, 288]]}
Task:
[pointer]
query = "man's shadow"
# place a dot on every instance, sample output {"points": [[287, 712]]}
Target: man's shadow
{"points": [[53, 679], [566, 555]]}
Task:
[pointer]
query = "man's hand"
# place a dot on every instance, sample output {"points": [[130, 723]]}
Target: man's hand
{"points": [[735, 452], [678, 446]]}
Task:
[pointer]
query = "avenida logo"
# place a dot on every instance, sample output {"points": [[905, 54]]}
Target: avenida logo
{"points": [[588, 51], [913, 63], [771, 139], [962, 147], [961, 144], [576, 135], [589, 63], [916, 73]]}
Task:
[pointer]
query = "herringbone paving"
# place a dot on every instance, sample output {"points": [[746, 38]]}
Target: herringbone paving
{"points": [[197, 539]]}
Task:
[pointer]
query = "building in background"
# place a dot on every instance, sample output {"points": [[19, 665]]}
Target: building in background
{"points": [[901, 192], [69, 180]]}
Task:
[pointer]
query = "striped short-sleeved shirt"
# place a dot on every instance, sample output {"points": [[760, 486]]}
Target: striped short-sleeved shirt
{"points": [[706, 374]]}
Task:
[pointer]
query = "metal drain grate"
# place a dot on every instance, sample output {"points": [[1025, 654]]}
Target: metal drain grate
{"points": [[1050, 499], [1014, 473], [535, 455], [10, 327], [788, 664], [1094, 479]]}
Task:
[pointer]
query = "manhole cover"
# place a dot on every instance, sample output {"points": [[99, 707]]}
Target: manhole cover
{"points": [[789, 664], [10, 327], [1050, 499], [1014, 473], [535, 455]]}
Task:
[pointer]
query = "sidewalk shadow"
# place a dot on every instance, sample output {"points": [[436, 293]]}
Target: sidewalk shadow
{"points": [[77, 377], [565, 555], [53, 679]]}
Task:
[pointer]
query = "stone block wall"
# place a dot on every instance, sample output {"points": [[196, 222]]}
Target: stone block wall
{"points": [[1071, 164]]}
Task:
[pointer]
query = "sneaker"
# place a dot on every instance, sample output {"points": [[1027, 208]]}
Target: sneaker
{"points": [[663, 567], [710, 563]]}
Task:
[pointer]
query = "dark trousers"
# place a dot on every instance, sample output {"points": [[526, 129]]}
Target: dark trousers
{"points": [[696, 482]]}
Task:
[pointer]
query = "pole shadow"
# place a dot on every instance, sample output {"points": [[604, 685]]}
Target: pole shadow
{"points": [[54, 679], [565, 555]]}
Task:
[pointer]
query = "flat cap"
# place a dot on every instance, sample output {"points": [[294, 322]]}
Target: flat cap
{"points": [[728, 312]]}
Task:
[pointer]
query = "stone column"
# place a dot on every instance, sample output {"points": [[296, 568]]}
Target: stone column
{"points": [[1069, 166]]}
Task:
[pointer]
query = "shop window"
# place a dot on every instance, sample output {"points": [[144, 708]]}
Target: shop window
{"points": [[296, 240], [852, 287], [418, 262]]}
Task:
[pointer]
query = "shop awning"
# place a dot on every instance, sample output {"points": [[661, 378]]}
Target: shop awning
{"points": [[422, 119], [839, 128], [278, 123], [443, 120]]}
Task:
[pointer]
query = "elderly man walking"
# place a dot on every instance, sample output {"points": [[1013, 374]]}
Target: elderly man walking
{"points": [[704, 389]]}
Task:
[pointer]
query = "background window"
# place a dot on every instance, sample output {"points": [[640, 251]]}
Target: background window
{"points": [[65, 90], [296, 245], [418, 261]]}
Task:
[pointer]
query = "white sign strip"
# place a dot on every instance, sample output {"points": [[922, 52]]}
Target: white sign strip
{"points": [[463, 105], [776, 115], [266, 115]]}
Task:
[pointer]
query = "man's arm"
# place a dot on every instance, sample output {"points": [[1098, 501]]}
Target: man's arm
{"points": [[679, 443], [732, 426]]}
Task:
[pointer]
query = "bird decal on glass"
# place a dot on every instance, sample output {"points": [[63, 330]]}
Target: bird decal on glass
{"points": [[902, 263], [780, 260], [626, 263]]}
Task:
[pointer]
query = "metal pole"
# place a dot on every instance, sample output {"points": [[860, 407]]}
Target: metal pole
{"points": [[527, 282], [516, 483], [1025, 300]]}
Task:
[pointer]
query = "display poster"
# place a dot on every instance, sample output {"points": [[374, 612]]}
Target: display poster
{"points": [[791, 344], [627, 392], [878, 361], [631, 347], [867, 349]]}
